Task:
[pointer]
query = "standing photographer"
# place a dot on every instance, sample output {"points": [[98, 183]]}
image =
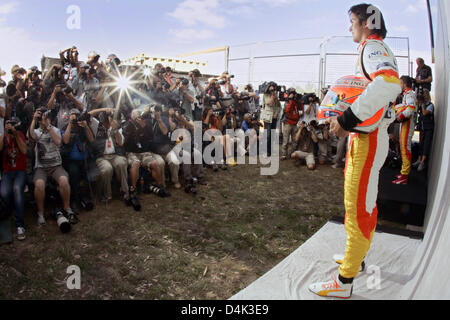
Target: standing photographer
{"points": [[227, 89], [69, 61], [2, 101], [270, 113], [199, 94], [76, 158], [87, 86], [228, 123], [291, 115], [48, 163], [187, 98], [253, 103], [13, 145]]}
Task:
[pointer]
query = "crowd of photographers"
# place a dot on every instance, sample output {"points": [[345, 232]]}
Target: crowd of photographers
{"points": [[68, 132]]}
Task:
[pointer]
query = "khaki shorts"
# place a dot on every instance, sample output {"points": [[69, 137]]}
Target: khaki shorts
{"points": [[55, 172], [308, 157], [144, 158]]}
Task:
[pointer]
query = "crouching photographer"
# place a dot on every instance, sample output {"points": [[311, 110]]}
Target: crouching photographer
{"points": [[306, 137], [77, 160], [13, 145]]}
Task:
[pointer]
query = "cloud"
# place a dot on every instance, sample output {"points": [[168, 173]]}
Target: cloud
{"points": [[21, 47], [400, 29], [8, 8], [193, 12], [418, 6], [191, 35]]}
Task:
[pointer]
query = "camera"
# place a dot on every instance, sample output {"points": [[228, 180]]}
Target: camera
{"points": [[14, 122], [244, 96], [264, 88], [184, 81], [61, 220], [44, 113]]}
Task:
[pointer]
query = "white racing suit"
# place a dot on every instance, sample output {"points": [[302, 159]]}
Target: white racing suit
{"points": [[367, 120], [406, 113]]}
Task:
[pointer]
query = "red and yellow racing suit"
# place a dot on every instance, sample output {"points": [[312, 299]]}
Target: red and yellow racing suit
{"points": [[406, 113], [367, 120]]}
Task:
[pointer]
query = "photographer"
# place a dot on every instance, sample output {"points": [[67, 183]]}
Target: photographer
{"points": [[86, 86], [305, 139], [226, 88], [15, 91], [323, 136], [60, 103], [253, 102], [270, 113], [33, 78], [55, 76], [310, 108], [160, 146], [291, 116], [213, 95], [69, 61], [211, 122], [2, 101], [241, 106], [228, 123], [426, 125], [48, 163], [199, 94], [251, 127], [76, 158], [13, 145], [109, 153], [191, 171], [187, 98], [424, 77]]}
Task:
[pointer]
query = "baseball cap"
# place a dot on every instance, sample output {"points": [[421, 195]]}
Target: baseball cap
{"points": [[16, 68], [2, 72]]}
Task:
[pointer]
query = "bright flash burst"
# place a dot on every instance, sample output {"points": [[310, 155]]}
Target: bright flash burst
{"points": [[124, 84]]}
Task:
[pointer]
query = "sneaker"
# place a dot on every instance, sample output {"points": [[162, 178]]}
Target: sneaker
{"points": [[127, 200], [337, 166], [421, 167], [403, 180], [177, 185], [339, 259], [332, 289], [41, 220], [283, 158], [416, 164], [20, 234]]}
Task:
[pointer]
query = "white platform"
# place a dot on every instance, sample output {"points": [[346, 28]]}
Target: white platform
{"points": [[312, 262]]}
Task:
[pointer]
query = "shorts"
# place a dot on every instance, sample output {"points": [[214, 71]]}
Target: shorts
{"points": [[144, 158], [308, 157], [55, 172]]}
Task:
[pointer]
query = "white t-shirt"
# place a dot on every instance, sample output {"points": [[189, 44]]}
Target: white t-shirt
{"points": [[47, 152], [307, 118]]}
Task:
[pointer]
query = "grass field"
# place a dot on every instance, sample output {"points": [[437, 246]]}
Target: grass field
{"points": [[210, 246]]}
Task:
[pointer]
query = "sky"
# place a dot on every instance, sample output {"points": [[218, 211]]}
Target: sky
{"points": [[31, 28]]}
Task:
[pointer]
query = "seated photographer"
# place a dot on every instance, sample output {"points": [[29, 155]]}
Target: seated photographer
{"points": [[251, 127], [139, 139], [48, 163], [211, 121], [77, 160], [61, 102], [109, 153], [305, 139], [13, 148], [191, 170], [291, 116]]}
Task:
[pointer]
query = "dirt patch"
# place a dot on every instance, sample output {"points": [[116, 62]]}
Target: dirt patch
{"points": [[209, 247]]}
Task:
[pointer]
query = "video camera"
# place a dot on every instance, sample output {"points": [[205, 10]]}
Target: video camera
{"points": [[264, 88], [223, 81]]}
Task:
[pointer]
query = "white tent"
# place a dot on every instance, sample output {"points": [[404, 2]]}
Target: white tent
{"points": [[406, 268]]}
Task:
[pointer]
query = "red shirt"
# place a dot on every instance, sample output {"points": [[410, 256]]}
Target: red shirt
{"points": [[292, 110], [13, 159]]}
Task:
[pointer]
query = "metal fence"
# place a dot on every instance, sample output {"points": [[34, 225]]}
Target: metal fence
{"points": [[306, 64]]}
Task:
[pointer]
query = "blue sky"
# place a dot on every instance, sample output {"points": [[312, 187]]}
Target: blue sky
{"points": [[32, 28]]}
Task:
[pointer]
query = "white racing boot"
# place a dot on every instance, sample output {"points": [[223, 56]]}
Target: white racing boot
{"points": [[332, 289]]}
